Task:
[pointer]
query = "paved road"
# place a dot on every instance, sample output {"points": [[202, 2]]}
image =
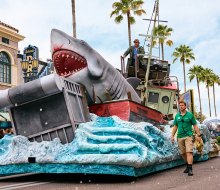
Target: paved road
{"points": [[206, 177]]}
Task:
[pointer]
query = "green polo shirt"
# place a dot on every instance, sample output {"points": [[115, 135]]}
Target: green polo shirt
{"points": [[184, 124]]}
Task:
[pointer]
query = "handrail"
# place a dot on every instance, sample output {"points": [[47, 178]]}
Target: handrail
{"points": [[122, 65]]}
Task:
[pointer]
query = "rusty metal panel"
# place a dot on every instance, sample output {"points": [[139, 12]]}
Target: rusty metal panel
{"points": [[50, 116]]}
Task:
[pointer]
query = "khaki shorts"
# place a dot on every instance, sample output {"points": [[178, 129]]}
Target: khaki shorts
{"points": [[185, 145]]}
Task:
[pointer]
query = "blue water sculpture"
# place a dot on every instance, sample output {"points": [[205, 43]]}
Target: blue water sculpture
{"points": [[213, 124], [106, 145]]}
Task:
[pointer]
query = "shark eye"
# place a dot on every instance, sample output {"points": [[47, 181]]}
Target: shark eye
{"points": [[83, 42], [86, 45], [69, 41]]}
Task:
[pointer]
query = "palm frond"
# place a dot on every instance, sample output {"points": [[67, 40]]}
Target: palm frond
{"points": [[169, 42], [131, 20], [174, 60], [191, 77], [139, 12], [118, 19], [115, 12], [117, 5]]}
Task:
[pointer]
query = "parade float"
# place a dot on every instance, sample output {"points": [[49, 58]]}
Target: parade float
{"points": [[90, 118]]}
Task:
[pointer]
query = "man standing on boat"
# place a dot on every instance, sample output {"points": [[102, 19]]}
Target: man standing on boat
{"points": [[183, 122], [134, 51]]}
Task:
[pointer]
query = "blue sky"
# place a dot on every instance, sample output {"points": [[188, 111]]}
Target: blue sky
{"points": [[196, 23]]}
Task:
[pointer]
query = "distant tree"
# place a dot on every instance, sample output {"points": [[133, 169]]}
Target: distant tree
{"points": [[185, 55], [214, 80], [218, 140], [163, 31], [207, 79], [125, 7], [196, 72]]}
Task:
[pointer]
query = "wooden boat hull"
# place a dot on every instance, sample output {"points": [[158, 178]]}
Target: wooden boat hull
{"points": [[129, 111]]}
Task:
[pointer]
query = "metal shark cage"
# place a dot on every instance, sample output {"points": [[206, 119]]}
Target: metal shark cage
{"points": [[48, 108]]}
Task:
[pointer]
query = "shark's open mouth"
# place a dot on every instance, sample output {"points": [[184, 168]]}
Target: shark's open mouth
{"points": [[67, 62]]}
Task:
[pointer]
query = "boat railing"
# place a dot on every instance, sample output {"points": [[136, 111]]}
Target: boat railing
{"points": [[123, 71], [159, 69], [159, 82]]}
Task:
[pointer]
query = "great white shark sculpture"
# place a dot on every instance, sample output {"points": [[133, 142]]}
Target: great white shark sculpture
{"points": [[76, 60], [79, 62]]}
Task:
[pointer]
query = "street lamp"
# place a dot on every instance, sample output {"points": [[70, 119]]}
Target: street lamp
{"points": [[35, 64], [30, 69], [24, 65]]}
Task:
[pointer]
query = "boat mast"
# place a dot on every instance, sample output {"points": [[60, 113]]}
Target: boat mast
{"points": [[156, 6]]}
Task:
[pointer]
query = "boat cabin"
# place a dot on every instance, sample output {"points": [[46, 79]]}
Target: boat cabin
{"points": [[161, 92]]}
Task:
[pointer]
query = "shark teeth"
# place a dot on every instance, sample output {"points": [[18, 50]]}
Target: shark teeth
{"points": [[67, 62]]}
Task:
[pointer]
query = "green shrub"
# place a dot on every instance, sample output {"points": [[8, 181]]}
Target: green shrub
{"points": [[218, 139]]}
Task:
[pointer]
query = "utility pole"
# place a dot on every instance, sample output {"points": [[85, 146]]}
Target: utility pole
{"points": [[151, 43], [145, 90], [74, 18]]}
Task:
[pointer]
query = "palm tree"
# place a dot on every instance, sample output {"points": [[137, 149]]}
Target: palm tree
{"points": [[196, 72], [214, 79], [125, 7], [207, 78], [185, 54], [74, 18], [217, 82], [163, 31]]}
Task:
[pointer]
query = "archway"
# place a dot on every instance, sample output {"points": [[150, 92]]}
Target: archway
{"points": [[5, 68]]}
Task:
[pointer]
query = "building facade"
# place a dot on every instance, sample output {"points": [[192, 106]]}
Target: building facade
{"points": [[10, 70]]}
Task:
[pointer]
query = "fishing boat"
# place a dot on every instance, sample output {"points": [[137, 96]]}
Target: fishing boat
{"points": [[158, 100], [159, 92]]}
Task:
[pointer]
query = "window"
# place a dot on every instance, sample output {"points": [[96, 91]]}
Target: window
{"points": [[5, 68], [165, 99], [153, 97], [5, 40]]}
